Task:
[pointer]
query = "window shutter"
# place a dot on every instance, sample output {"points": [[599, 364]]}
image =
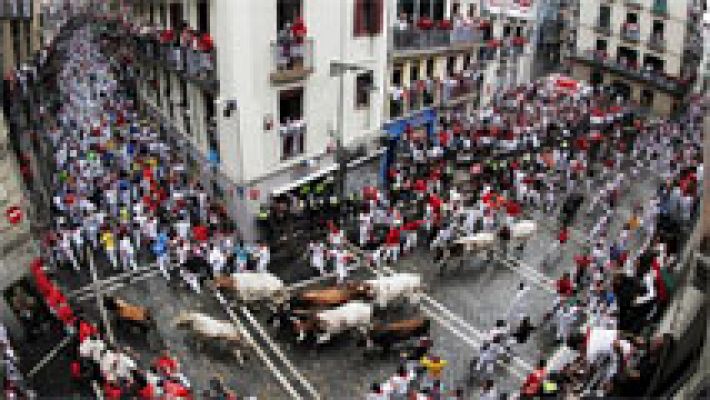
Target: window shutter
{"points": [[376, 25], [359, 17]]}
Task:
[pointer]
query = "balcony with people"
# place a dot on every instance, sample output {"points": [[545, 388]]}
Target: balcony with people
{"points": [[656, 40], [630, 30], [627, 65], [427, 34], [292, 53]]}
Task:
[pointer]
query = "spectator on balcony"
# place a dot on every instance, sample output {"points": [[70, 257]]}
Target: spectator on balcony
{"points": [[402, 23]]}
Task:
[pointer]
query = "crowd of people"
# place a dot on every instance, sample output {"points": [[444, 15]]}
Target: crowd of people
{"points": [[123, 196], [536, 147]]}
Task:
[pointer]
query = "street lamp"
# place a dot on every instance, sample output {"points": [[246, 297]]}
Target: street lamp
{"points": [[338, 68]]}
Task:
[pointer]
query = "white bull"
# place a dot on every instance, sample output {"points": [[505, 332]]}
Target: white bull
{"points": [[252, 286], [351, 315], [386, 289], [477, 242]]}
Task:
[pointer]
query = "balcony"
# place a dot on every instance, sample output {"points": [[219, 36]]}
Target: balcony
{"points": [[292, 60], [16, 9], [597, 59], [657, 43], [201, 68], [417, 39], [603, 28], [660, 8], [630, 32]]}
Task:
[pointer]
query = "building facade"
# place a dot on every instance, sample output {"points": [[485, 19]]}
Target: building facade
{"points": [[449, 55], [263, 90], [649, 50]]}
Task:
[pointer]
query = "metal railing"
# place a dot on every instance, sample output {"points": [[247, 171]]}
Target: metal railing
{"points": [[291, 59], [630, 71], [426, 39], [657, 43], [632, 34], [603, 27]]}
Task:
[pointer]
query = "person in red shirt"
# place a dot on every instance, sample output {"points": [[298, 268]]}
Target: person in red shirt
{"points": [[393, 243], [533, 383], [112, 391], [563, 235], [565, 288], [200, 233], [165, 364]]}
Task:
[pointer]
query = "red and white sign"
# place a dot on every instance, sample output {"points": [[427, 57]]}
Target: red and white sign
{"points": [[14, 215]]}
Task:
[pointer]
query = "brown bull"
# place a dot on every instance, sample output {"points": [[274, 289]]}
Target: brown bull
{"points": [[331, 296], [129, 314]]}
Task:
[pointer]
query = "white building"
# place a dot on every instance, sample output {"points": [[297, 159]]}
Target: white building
{"points": [[269, 110]]}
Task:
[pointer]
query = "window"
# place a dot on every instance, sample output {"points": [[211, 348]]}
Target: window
{"points": [[506, 31], [467, 61], [632, 18], [601, 45], [658, 29], [430, 68], [163, 16], [287, 11], [291, 118], [604, 16], [519, 31], [363, 85], [397, 75], [203, 17], [176, 20], [368, 17], [450, 65], [414, 73]]}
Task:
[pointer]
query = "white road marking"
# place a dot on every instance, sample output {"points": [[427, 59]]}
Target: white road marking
{"points": [[50, 356], [100, 301], [279, 353], [259, 351]]}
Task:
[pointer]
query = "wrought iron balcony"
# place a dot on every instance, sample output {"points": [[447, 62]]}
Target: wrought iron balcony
{"points": [[657, 79], [630, 32], [657, 43], [201, 68], [603, 27], [292, 60], [416, 39]]}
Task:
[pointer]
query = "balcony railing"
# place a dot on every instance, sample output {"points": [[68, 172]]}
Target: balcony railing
{"points": [[292, 60], [603, 27], [432, 39], [201, 67], [630, 32], [16, 9], [631, 70], [657, 43]]}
